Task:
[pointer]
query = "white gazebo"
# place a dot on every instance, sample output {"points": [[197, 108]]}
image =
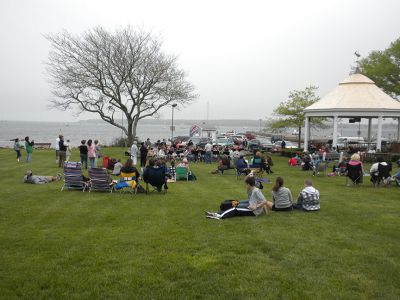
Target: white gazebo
{"points": [[355, 97]]}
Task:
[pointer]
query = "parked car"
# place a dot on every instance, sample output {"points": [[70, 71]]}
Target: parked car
{"points": [[238, 139], [254, 145], [202, 142], [278, 146], [181, 141], [266, 144], [250, 136], [224, 142]]}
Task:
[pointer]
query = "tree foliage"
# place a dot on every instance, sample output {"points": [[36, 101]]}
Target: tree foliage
{"points": [[290, 113], [109, 73], [383, 67]]}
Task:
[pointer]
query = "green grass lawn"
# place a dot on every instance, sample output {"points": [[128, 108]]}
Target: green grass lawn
{"points": [[74, 245]]}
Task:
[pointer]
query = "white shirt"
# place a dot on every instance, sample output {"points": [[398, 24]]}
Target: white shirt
{"points": [[57, 143], [134, 150], [208, 147]]}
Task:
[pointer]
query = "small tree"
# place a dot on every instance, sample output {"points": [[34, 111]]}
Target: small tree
{"points": [[383, 67], [112, 73], [291, 112]]}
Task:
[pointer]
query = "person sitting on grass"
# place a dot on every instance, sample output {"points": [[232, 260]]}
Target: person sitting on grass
{"points": [[117, 168], [308, 199], [252, 207], [374, 171], [184, 163], [293, 161], [281, 197], [39, 179]]}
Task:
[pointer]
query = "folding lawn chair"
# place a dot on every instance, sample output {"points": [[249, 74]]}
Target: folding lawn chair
{"points": [[383, 175], [73, 177], [100, 180], [128, 182], [354, 173], [182, 173], [155, 178]]}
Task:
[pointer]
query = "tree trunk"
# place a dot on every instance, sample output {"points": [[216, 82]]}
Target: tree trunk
{"points": [[299, 140], [130, 134]]}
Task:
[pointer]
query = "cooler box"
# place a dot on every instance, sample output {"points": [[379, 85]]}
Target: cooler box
{"points": [[105, 162]]}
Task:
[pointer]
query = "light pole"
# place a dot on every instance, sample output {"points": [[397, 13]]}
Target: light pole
{"points": [[172, 126]]}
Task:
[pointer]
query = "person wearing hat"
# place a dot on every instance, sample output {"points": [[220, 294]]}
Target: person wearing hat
{"points": [[38, 179], [134, 153]]}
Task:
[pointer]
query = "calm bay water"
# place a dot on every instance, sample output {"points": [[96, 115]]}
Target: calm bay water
{"points": [[47, 132]]}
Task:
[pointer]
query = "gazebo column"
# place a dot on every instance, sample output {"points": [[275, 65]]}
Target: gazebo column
{"points": [[398, 129], [369, 133], [334, 136], [306, 133], [379, 134]]}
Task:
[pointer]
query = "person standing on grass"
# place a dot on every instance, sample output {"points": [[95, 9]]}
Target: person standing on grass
{"points": [[29, 149], [281, 197], [143, 155], [308, 199], [99, 155], [17, 148], [68, 152], [252, 207], [83, 153], [62, 152], [91, 153], [208, 153], [57, 147], [134, 153]]}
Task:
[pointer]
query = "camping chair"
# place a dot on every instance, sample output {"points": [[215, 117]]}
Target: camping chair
{"points": [[257, 167], [154, 177], [100, 180], [73, 178], [354, 173], [182, 173], [127, 183], [383, 175]]}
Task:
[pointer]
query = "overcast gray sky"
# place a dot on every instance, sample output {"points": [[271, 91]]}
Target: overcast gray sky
{"points": [[242, 56]]}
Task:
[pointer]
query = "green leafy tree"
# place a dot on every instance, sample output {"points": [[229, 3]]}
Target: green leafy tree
{"points": [[290, 113], [383, 67]]}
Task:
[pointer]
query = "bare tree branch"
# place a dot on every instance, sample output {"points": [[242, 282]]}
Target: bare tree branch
{"points": [[105, 73]]}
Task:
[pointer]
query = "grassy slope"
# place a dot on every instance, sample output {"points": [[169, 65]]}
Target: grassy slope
{"points": [[94, 245]]}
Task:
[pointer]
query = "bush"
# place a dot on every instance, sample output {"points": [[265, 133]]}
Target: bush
{"points": [[290, 152], [119, 142]]}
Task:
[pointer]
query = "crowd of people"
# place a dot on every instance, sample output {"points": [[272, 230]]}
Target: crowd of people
{"points": [[159, 161]]}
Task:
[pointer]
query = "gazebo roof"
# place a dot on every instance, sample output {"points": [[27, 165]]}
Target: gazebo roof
{"points": [[357, 95]]}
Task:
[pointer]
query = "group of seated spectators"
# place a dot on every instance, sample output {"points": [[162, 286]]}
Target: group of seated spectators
{"points": [[237, 161], [282, 200], [157, 171]]}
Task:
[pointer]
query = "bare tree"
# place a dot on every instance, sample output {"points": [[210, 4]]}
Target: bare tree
{"points": [[109, 73]]}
